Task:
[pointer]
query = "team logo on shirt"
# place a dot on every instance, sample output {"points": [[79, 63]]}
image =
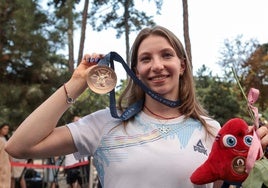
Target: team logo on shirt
{"points": [[200, 148]]}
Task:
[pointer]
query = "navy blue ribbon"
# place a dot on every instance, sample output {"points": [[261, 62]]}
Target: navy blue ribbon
{"points": [[136, 107]]}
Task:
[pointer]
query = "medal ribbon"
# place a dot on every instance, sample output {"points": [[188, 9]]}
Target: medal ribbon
{"points": [[136, 107], [255, 147]]}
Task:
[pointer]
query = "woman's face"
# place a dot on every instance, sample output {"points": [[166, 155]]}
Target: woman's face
{"points": [[4, 130], [159, 67]]}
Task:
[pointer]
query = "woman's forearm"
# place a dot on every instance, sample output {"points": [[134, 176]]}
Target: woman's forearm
{"points": [[42, 122]]}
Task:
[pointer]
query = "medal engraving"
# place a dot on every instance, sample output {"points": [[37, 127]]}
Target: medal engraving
{"points": [[239, 165], [101, 79]]}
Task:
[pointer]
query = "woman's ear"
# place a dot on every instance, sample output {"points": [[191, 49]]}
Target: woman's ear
{"points": [[183, 66], [136, 71]]}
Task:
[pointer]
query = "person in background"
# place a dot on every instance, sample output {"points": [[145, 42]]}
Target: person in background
{"points": [[4, 131], [5, 166], [51, 174], [76, 176], [265, 124], [153, 148], [17, 176]]}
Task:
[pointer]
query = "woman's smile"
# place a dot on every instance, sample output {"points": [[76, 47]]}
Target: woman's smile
{"points": [[159, 66], [158, 78]]}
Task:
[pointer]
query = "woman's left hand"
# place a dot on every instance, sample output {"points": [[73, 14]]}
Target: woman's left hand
{"points": [[262, 132]]}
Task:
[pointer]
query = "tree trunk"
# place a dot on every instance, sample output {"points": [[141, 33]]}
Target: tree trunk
{"points": [[126, 17], [186, 31], [83, 31], [70, 35]]}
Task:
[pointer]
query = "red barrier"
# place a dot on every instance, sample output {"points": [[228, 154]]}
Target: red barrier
{"points": [[30, 165]]}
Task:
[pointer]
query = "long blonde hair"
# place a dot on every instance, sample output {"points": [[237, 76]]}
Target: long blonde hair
{"points": [[190, 107]]}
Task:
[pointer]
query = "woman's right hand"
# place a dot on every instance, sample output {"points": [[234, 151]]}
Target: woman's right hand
{"points": [[87, 62], [77, 84]]}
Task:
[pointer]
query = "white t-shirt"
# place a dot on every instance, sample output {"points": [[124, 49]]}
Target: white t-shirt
{"points": [[147, 153], [70, 160]]}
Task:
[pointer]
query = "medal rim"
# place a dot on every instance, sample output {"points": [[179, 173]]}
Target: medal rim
{"points": [[234, 165], [106, 89]]}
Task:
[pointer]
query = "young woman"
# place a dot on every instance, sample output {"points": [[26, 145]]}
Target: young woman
{"points": [[159, 147], [5, 167], [4, 130]]}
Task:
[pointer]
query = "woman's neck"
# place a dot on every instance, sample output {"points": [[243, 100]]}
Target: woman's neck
{"points": [[160, 111]]}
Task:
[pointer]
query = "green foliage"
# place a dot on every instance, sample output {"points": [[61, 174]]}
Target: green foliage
{"points": [[30, 63], [85, 104], [221, 102], [116, 14], [249, 61], [120, 88], [121, 15], [90, 102], [31, 66], [204, 80], [223, 99], [257, 77], [234, 54], [20, 100], [216, 96]]}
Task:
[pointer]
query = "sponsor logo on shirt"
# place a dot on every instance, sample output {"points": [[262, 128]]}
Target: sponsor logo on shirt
{"points": [[200, 148]]}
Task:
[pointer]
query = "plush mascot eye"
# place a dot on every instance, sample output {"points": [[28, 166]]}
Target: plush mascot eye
{"points": [[229, 141], [248, 140]]}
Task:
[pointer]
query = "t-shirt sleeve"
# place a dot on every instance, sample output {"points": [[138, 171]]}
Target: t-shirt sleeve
{"points": [[87, 131]]}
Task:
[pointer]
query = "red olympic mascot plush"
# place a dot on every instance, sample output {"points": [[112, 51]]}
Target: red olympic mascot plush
{"points": [[227, 159]]}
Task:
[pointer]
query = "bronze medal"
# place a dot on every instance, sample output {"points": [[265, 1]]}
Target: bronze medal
{"points": [[101, 79], [239, 165]]}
